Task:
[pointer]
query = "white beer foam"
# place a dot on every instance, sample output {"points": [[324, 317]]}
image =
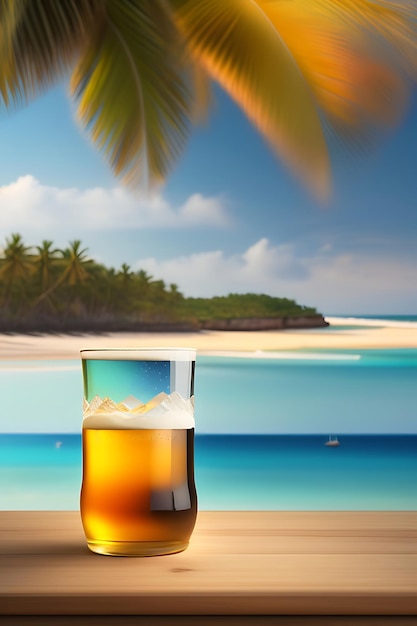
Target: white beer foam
{"points": [[161, 412]]}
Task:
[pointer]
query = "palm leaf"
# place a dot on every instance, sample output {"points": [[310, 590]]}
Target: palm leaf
{"points": [[353, 86], [133, 90], [383, 35], [41, 41], [9, 15], [242, 49], [395, 21], [293, 65]]}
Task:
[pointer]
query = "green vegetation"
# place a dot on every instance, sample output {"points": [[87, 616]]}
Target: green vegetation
{"points": [[45, 288], [248, 305]]}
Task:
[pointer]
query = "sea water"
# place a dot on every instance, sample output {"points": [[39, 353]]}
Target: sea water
{"points": [[261, 426], [242, 472]]}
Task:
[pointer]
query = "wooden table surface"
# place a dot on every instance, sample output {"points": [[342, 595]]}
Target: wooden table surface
{"points": [[238, 564]]}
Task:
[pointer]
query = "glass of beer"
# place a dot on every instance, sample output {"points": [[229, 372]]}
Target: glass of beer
{"points": [[138, 496]]}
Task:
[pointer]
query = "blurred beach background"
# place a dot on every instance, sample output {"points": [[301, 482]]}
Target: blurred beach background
{"points": [[331, 224]]}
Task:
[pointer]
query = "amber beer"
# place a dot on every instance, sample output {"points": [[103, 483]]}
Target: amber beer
{"points": [[138, 493]]}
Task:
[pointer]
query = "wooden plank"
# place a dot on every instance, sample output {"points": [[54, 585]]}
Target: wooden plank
{"points": [[238, 563], [202, 620]]}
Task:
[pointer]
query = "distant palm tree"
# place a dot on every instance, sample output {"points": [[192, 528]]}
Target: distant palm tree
{"points": [[123, 287], [175, 297], [46, 260], [144, 277], [126, 273], [16, 265], [105, 290], [174, 289], [140, 71], [75, 264]]}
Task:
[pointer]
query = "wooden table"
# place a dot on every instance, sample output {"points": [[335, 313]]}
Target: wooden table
{"points": [[248, 567]]}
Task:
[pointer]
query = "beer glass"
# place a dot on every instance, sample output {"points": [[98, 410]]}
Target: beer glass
{"points": [[138, 495]]}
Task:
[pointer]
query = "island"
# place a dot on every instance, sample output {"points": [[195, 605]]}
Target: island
{"points": [[43, 289]]}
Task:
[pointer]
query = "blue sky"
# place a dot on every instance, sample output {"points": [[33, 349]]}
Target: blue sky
{"points": [[230, 218]]}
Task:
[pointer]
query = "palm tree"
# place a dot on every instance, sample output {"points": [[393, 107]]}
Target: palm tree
{"points": [[75, 264], [97, 291], [123, 288], [126, 273], [46, 260], [144, 278], [139, 71], [16, 264]]}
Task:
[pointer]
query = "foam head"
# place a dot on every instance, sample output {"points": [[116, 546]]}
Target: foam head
{"points": [[161, 412]]}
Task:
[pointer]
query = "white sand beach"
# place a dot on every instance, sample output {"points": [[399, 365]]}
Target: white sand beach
{"points": [[56, 346]]}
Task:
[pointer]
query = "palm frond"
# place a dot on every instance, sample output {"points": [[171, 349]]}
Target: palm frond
{"points": [[202, 97], [293, 66], [42, 40], [9, 15], [245, 52], [133, 90], [395, 21]]}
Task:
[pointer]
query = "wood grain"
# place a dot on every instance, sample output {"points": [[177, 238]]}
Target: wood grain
{"points": [[238, 563], [201, 620]]}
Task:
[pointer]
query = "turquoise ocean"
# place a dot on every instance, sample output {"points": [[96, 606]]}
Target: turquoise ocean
{"points": [[262, 421]]}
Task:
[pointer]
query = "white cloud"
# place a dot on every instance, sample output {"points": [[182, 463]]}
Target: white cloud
{"points": [[200, 210], [334, 283], [26, 204]]}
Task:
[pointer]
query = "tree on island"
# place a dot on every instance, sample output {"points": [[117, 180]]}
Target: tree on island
{"points": [[140, 70], [44, 261], [15, 267], [74, 263]]}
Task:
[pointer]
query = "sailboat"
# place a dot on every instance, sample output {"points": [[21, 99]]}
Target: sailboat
{"points": [[333, 442]]}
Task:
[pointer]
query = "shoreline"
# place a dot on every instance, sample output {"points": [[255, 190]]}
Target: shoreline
{"points": [[16, 346]]}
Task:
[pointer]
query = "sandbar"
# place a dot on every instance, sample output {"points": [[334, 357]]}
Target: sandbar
{"points": [[341, 334]]}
